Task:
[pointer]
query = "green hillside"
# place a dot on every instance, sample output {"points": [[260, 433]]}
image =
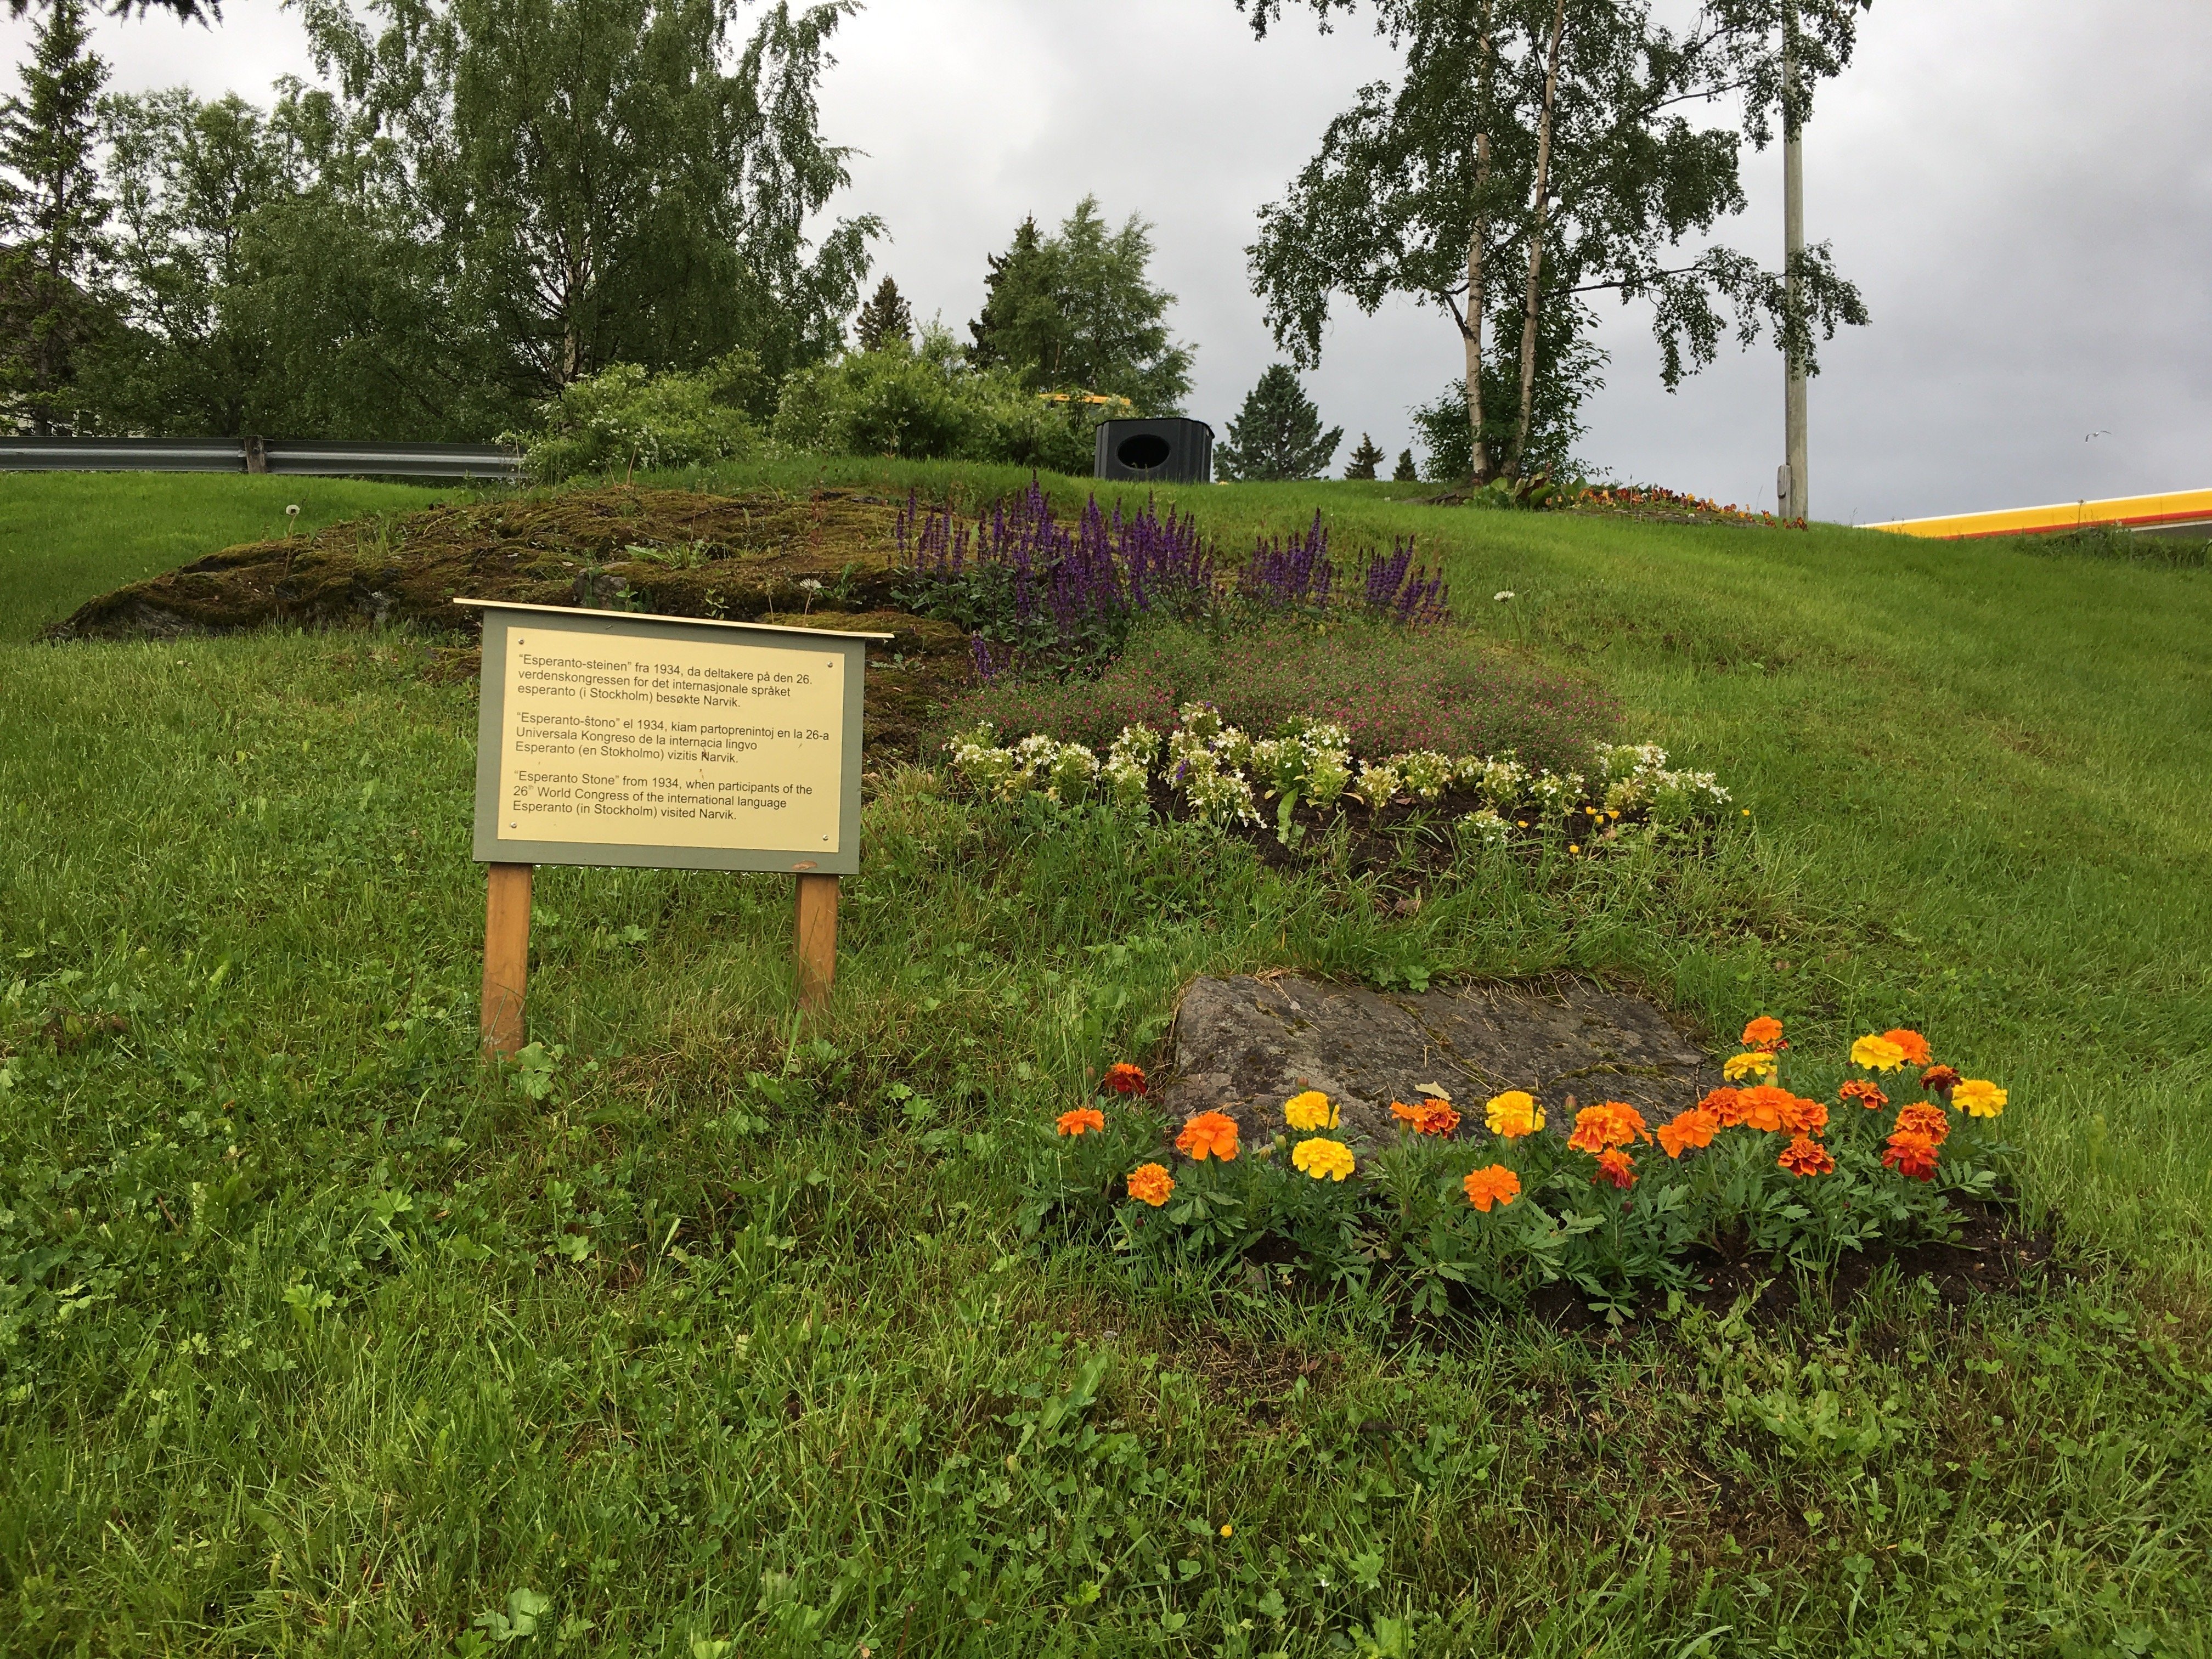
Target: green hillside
{"points": [[714, 1335]]}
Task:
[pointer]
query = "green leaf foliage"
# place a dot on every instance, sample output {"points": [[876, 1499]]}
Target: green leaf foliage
{"points": [[930, 404], [52, 210], [1428, 187], [1078, 312], [623, 418], [494, 199]]}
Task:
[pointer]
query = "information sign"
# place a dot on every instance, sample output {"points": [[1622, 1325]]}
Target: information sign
{"points": [[609, 738]]}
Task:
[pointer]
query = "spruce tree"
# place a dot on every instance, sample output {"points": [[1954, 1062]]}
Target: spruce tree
{"points": [[1365, 460], [1406, 472], [1278, 433], [1019, 285], [51, 206], [886, 320]]}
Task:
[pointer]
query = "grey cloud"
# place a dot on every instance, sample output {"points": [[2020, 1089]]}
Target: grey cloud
{"points": [[2021, 189]]}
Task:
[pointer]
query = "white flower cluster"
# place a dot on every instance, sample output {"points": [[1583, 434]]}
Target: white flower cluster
{"points": [[1060, 772], [1205, 765], [1636, 777], [1223, 774]]}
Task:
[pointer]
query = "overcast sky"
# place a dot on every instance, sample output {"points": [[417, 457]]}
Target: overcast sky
{"points": [[2022, 189]]}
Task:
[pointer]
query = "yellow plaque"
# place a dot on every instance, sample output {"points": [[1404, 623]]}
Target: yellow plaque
{"points": [[669, 743], [609, 739]]}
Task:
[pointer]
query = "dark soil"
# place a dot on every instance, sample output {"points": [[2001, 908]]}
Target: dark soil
{"points": [[671, 553], [1995, 1254]]}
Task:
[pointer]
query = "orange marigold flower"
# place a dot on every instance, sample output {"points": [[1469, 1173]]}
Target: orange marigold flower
{"points": [[1804, 1117], [1695, 1128], [1913, 1045], [1806, 1157], [1081, 1121], [1911, 1155], [1609, 1123], [1431, 1117], [1123, 1078], [1151, 1183], [1617, 1167], [1495, 1185], [1932, 1123], [1976, 1097], [1865, 1091], [1762, 1108], [1210, 1135], [1726, 1105], [1764, 1032]]}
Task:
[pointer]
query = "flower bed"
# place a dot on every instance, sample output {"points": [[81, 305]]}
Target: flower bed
{"points": [[1209, 770], [1492, 1205], [1445, 690]]}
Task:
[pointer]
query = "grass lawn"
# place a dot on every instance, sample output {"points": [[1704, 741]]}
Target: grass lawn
{"points": [[718, 1338], [68, 537]]}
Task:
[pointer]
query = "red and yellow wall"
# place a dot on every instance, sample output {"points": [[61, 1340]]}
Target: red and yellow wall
{"points": [[2187, 510]]}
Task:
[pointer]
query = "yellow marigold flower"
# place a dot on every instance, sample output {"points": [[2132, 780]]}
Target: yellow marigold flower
{"points": [[1228, 1531], [1877, 1053], [1752, 1063], [1976, 1097], [1513, 1114], [1151, 1183], [1311, 1110], [1324, 1159]]}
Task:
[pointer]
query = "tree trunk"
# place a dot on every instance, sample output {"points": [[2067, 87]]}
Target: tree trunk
{"points": [[1481, 467], [1530, 305]]}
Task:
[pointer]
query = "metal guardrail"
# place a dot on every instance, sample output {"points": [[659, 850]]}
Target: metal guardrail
{"points": [[297, 458]]}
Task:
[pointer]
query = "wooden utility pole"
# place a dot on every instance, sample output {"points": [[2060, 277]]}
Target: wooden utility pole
{"points": [[1791, 491]]}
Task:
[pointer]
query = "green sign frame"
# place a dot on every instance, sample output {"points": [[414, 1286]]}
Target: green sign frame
{"points": [[503, 621]]}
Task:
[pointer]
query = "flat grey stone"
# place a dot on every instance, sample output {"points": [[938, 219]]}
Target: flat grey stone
{"points": [[1245, 1045]]}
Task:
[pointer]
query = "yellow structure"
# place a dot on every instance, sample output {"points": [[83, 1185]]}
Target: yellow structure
{"points": [[2186, 509]]}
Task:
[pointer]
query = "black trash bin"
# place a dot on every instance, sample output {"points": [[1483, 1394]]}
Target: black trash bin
{"points": [[1155, 452]]}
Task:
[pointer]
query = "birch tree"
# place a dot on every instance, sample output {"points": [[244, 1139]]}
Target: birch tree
{"points": [[1552, 138]]}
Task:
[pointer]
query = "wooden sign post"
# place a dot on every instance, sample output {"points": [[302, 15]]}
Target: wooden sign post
{"points": [[663, 743]]}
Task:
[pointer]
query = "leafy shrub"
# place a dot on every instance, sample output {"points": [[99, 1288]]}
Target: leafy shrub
{"points": [[624, 417], [929, 404], [1387, 691], [1608, 1204]]}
